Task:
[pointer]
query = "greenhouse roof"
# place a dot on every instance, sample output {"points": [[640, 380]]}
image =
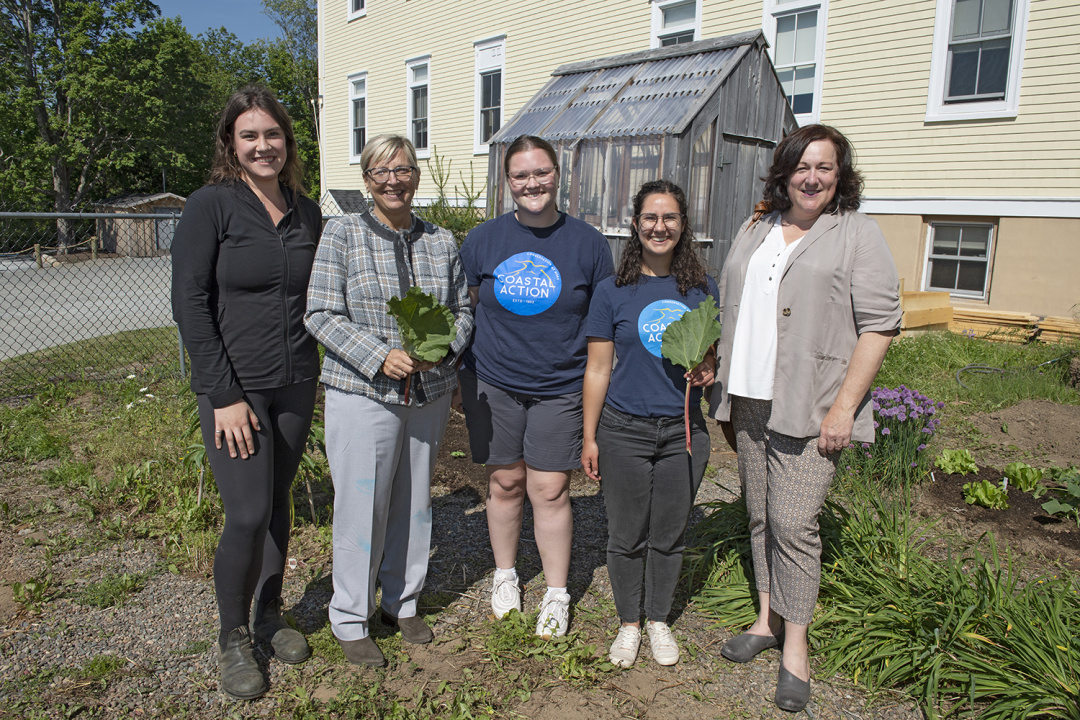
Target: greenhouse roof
{"points": [[650, 92]]}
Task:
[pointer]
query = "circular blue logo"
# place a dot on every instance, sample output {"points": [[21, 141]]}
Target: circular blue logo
{"points": [[527, 283], [654, 319]]}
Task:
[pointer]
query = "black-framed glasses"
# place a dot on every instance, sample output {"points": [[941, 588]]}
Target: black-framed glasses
{"points": [[382, 174], [647, 221], [542, 175]]}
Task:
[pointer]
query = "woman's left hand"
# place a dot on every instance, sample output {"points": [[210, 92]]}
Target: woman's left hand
{"points": [[835, 431], [704, 374]]}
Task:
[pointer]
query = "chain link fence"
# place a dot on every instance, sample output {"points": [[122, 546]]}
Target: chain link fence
{"points": [[85, 295]]}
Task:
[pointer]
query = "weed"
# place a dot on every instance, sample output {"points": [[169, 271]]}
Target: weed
{"points": [[325, 646], [100, 667], [113, 590], [32, 594]]}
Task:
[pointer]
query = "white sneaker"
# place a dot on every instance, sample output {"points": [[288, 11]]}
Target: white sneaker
{"points": [[665, 650], [505, 593], [554, 615], [623, 651]]}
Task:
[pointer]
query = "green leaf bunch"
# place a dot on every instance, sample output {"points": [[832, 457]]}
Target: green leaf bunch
{"points": [[426, 327], [1023, 476], [1066, 503], [688, 339], [956, 462], [987, 494]]}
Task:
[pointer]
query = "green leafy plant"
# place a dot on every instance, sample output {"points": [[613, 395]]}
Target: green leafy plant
{"points": [[1067, 502], [113, 590], [956, 462], [987, 494], [687, 340], [426, 327], [32, 594], [1023, 476]]}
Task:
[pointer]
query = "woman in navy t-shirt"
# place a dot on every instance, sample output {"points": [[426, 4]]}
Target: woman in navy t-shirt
{"points": [[637, 436], [531, 275]]}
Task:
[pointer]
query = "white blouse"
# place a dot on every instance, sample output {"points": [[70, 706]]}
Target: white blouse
{"points": [[753, 350]]}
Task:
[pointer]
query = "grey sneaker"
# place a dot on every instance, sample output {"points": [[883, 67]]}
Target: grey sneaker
{"points": [[624, 650]]}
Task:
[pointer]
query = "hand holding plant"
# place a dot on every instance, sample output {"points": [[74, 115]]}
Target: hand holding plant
{"points": [[686, 343], [425, 326]]}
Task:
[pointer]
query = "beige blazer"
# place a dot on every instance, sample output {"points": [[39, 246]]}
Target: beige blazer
{"points": [[839, 282]]}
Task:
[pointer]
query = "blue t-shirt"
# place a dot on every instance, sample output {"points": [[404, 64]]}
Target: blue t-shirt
{"points": [[643, 382], [535, 287]]}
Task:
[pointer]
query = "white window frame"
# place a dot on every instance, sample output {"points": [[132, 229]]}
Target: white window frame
{"points": [[352, 12], [354, 157], [488, 54], [937, 110], [410, 65], [658, 32], [773, 10], [989, 260]]}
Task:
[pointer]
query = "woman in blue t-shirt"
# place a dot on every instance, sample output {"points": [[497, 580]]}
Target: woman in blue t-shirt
{"points": [[637, 436], [531, 275]]}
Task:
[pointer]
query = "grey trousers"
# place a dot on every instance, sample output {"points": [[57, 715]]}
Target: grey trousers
{"points": [[381, 458], [784, 481]]}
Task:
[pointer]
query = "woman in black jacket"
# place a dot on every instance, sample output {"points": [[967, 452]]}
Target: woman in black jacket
{"points": [[241, 259]]}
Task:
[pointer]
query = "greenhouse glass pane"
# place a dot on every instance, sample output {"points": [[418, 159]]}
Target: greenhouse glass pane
{"points": [[806, 37], [946, 240], [591, 187], [697, 194], [785, 40]]}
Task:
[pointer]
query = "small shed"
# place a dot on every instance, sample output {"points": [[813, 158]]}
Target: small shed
{"points": [[706, 115], [342, 202], [147, 237]]}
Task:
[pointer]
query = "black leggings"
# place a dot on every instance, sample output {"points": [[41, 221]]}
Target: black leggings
{"points": [[250, 558]]}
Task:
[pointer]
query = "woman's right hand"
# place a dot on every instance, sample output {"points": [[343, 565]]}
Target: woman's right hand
{"points": [[398, 365], [234, 424], [590, 459]]}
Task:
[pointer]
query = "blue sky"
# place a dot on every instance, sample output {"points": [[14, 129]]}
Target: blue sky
{"points": [[244, 18]]}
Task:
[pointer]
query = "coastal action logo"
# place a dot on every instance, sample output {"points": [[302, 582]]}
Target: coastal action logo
{"points": [[527, 283], [654, 319]]}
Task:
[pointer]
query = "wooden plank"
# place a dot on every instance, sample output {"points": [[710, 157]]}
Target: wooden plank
{"points": [[927, 316], [925, 300]]}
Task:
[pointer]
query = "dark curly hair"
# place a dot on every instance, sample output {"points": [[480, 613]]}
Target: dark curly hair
{"points": [[686, 265], [849, 181], [226, 166]]}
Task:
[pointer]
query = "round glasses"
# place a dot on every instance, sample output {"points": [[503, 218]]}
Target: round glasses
{"points": [[647, 221], [542, 175], [382, 174]]}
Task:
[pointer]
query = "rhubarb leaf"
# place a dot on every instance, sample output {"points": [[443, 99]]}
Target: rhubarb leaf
{"points": [[688, 339], [426, 327]]}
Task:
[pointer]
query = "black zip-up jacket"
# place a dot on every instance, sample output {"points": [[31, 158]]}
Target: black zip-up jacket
{"points": [[239, 290]]}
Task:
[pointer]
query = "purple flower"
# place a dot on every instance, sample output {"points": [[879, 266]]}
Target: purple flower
{"points": [[921, 447], [928, 431], [876, 424], [866, 446], [886, 431], [914, 464]]}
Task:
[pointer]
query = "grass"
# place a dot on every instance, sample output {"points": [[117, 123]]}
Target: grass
{"points": [[113, 590]]}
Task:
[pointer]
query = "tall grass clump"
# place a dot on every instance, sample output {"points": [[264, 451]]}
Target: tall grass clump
{"points": [[904, 422], [957, 628]]}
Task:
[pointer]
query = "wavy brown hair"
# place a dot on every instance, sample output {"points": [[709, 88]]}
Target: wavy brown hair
{"points": [[686, 265], [849, 181], [226, 167]]}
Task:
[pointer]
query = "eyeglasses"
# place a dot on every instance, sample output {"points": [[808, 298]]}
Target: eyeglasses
{"points": [[382, 174], [542, 175], [647, 221]]}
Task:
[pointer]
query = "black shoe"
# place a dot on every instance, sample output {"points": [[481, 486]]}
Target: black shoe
{"points": [[362, 652], [413, 629], [241, 676], [792, 694], [744, 648], [268, 626]]}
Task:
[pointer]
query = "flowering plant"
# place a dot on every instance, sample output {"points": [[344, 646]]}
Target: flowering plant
{"points": [[904, 421]]}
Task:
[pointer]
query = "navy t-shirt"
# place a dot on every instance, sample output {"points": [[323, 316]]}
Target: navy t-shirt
{"points": [[535, 287], [643, 382]]}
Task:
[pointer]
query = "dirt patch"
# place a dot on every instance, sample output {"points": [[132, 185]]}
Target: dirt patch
{"points": [[1039, 431]]}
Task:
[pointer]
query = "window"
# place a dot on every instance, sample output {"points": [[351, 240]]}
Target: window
{"points": [[489, 90], [798, 50], [675, 22], [357, 115], [977, 58], [356, 9], [418, 72], [958, 258]]}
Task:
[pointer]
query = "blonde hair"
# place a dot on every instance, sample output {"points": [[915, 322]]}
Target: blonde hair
{"points": [[384, 147]]}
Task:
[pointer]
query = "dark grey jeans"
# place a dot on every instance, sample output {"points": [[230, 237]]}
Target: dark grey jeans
{"points": [[649, 485]]}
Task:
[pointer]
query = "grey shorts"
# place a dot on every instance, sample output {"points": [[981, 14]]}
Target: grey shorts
{"points": [[506, 426]]}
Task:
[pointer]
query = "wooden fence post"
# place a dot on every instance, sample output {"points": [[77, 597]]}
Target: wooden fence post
{"points": [[37, 254]]}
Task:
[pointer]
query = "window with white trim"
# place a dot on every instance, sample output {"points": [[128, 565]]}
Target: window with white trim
{"points": [[977, 59], [675, 22], [357, 8], [797, 29], [958, 258], [418, 73], [488, 90], [357, 115]]}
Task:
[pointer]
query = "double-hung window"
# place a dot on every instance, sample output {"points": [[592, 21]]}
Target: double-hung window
{"points": [[418, 77], [958, 259], [488, 90], [675, 22], [977, 59], [797, 28], [357, 115]]}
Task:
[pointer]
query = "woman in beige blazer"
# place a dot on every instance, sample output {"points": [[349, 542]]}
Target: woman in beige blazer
{"points": [[810, 304]]}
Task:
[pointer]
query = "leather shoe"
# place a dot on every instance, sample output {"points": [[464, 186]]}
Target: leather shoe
{"points": [[792, 694], [362, 652], [413, 629], [269, 627], [744, 648], [241, 676]]}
